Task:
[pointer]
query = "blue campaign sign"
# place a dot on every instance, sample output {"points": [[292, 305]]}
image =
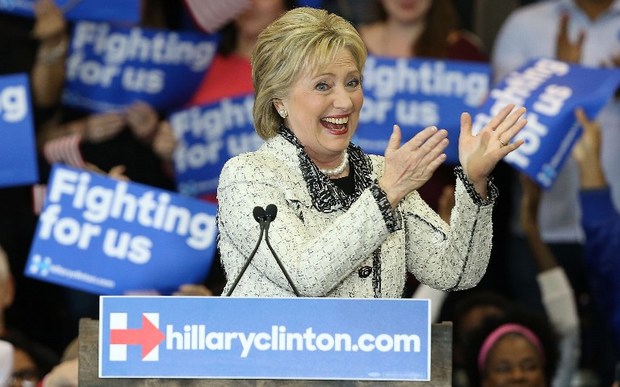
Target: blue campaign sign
{"points": [[107, 236], [415, 94], [18, 160], [115, 11], [208, 136], [264, 338], [110, 67], [550, 90]]}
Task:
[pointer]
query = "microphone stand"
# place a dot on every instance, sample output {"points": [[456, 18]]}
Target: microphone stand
{"points": [[259, 216], [288, 277]]}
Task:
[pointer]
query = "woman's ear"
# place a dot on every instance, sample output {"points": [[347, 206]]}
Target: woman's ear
{"points": [[278, 104]]}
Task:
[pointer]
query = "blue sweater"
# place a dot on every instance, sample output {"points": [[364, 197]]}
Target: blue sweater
{"points": [[601, 224]]}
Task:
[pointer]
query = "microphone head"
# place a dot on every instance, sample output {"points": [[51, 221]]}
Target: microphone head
{"points": [[271, 211], [259, 214]]}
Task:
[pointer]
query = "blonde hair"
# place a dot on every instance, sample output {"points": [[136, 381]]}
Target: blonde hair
{"points": [[301, 39]]}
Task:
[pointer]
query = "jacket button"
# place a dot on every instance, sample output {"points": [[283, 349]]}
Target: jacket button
{"points": [[364, 271]]}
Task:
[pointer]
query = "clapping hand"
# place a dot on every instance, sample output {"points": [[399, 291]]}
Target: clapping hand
{"points": [[409, 166], [480, 153]]}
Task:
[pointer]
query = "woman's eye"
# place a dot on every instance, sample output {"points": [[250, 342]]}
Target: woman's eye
{"points": [[322, 86], [353, 83]]}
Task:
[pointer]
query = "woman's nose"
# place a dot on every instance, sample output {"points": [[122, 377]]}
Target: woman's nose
{"points": [[343, 99]]}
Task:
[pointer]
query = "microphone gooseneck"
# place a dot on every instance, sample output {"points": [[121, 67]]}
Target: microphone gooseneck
{"points": [[259, 216], [271, 211]]}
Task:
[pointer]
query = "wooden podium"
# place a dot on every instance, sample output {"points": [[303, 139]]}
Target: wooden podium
{"points": [[441, 367]]}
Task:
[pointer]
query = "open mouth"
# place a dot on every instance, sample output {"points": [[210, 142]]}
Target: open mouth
{"points": [[335, 125]]}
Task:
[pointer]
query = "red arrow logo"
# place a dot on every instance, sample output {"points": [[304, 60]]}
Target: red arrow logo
{"points": [[148, 336]]}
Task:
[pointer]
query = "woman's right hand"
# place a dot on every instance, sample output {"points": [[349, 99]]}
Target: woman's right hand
{"points": [[409, 166]]}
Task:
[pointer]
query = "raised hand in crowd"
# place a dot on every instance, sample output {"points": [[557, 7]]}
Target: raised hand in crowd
{"points": [[164, 141], [142, 120], [48, 72], [100, 127], [587, 153], [567, 49], [50, 25]]}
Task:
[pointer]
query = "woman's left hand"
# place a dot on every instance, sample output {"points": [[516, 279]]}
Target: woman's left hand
{"points": [[480, 153]]}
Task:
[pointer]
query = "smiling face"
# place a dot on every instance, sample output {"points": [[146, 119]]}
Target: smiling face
{"points": [[323, 108]]}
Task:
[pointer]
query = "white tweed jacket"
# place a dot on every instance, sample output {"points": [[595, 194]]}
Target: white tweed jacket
{"points": [[361, 251]]}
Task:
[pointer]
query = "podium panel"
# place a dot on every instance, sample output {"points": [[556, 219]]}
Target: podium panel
{"points": [[441, 367]]}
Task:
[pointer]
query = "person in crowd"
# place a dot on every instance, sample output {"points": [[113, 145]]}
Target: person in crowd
{"points": [[570, 31], [519, 348], [65, 373], [574, 31], [557, 294], [230, 74], [31, 361], [426, 29], [36, 47], [600, 219], [7, 289], [349, 224], [358, 12], [6, 299]]}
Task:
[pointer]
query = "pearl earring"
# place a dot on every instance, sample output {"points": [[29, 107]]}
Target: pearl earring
{"points": [[283, 113]]}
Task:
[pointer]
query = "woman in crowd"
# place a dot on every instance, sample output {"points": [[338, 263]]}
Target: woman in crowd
{"points": [[348, 224], [518, 349]]}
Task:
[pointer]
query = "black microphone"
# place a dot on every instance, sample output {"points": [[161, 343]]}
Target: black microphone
{"points": [[259, 214], [260, 217], [271, 211]]}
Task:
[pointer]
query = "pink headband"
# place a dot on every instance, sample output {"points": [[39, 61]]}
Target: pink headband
{"points": [[502, 330]]}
